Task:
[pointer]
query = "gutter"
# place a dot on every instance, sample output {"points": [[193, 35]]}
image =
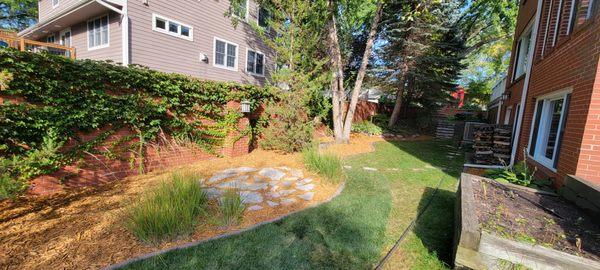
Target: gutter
{"points": [[519, 124]]}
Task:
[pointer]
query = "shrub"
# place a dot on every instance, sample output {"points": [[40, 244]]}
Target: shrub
{"points": [[232, 208], [326, 165], [520, 174], [15, 171], [169, 211], [289, 127], [367, 127]]}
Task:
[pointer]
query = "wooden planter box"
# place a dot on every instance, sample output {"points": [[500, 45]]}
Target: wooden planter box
{"points": [[475, 249]]}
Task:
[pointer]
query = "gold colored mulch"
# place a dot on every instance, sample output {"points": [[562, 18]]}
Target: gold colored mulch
{"points": [[84, 229]]}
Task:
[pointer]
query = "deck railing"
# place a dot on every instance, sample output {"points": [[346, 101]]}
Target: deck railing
{"points": [[10, 39]]}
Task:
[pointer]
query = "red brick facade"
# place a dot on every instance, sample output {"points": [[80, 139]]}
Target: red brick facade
{"points": [[118, 157], [569, 61]]}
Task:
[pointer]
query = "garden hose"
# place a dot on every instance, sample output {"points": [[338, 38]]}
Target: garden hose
{"points": [[409, 228]]}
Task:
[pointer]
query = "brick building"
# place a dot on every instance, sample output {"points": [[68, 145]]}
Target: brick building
{"points": [[552, 95]]}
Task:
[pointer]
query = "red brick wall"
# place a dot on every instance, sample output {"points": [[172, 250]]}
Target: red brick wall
{"points": [[571, 63], [118, 157]]}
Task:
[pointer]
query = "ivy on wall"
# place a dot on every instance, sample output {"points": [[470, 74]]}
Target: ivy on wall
{"points": [[68, 96]]}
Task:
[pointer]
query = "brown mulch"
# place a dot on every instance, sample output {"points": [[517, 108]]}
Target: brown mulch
{"points": [[84, 229], [559, 224]]}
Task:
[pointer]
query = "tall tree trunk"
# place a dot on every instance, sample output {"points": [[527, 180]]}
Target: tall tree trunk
{"points": [[337, 84], [397, 106], [361, 72]]}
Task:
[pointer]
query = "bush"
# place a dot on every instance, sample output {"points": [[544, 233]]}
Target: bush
{"points": [[169, 211], [15, 171], [232, 208], [367, 127], [520, 174], [326, 165], [289, 127]]}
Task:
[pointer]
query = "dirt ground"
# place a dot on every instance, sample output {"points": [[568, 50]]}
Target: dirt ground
{"points": [[562, 226], [84, 229]]}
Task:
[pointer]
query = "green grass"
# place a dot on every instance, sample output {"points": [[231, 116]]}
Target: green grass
{"points": [[232, 208], [168, 211], [326, 165], [356, 229]]}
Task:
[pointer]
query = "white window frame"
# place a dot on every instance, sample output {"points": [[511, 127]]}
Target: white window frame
{"points": [[55, 3], [64, 32], [248, 50], [258, 8], [246, 15], [166, 30], [558, 21], [102, 46], [224, 66], [541, 139], [571, 14], [590, 9], [523, 56], [507, 115]]}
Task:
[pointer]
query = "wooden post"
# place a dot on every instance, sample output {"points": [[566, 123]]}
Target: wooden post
{"points": [[22, 44]]}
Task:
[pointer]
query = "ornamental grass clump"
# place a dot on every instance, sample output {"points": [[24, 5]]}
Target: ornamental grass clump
{"points": [[326, 165], [169, 211], [232, 208]]}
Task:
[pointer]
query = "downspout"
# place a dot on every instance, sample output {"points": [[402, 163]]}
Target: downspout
{"points": [[519, 123], [125, 33]]}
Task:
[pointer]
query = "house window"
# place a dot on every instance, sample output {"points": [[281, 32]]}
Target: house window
{"points": [[263, 16], [240, 9], [592, 6], [171, 27], [523, 48], [50, 39], [255, 63], [548, 128], [558, 22], [573, 16], [55, 3], [98, 32], [225, 54]]}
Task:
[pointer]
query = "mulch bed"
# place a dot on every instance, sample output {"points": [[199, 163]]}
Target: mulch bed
{"points": [[540, 219]]}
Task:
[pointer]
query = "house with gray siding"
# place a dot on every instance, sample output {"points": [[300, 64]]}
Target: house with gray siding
{"points": [[191, 37]]}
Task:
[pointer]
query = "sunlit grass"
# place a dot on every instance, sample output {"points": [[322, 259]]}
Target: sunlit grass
{"points": [[324, 164]]}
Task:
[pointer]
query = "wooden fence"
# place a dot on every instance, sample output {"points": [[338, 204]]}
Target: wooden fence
{"points": [[10, 39]]}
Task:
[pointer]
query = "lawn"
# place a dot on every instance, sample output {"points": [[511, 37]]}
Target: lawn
{"points": [[355, 230]]}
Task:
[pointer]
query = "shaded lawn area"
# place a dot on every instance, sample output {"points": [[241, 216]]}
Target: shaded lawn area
{"points": [[355, 230]]}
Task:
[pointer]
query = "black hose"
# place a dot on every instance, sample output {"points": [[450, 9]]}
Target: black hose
{"points": [[409, 228]]}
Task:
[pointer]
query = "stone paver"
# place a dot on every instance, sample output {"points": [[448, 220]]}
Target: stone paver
{"points": [[275, 186], [369, 169], [307, 196]]}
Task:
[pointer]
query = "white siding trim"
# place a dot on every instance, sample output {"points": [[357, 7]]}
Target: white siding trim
{"points": [[166, 30], [125, 34], [237, 55], [87, 33]]}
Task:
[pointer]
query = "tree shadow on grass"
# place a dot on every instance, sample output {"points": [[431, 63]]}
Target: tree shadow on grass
{"points": [[435, 228], [439, 153]]}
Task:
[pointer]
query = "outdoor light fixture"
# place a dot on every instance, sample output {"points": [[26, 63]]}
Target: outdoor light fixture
{"points": [[245, 106]]}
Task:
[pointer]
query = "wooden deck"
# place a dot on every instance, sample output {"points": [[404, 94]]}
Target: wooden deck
{"points": [[11, 40]]}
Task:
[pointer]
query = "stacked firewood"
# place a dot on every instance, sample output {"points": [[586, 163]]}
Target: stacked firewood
{"points": [[483, 144], [492, 145], [502, 143]]}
